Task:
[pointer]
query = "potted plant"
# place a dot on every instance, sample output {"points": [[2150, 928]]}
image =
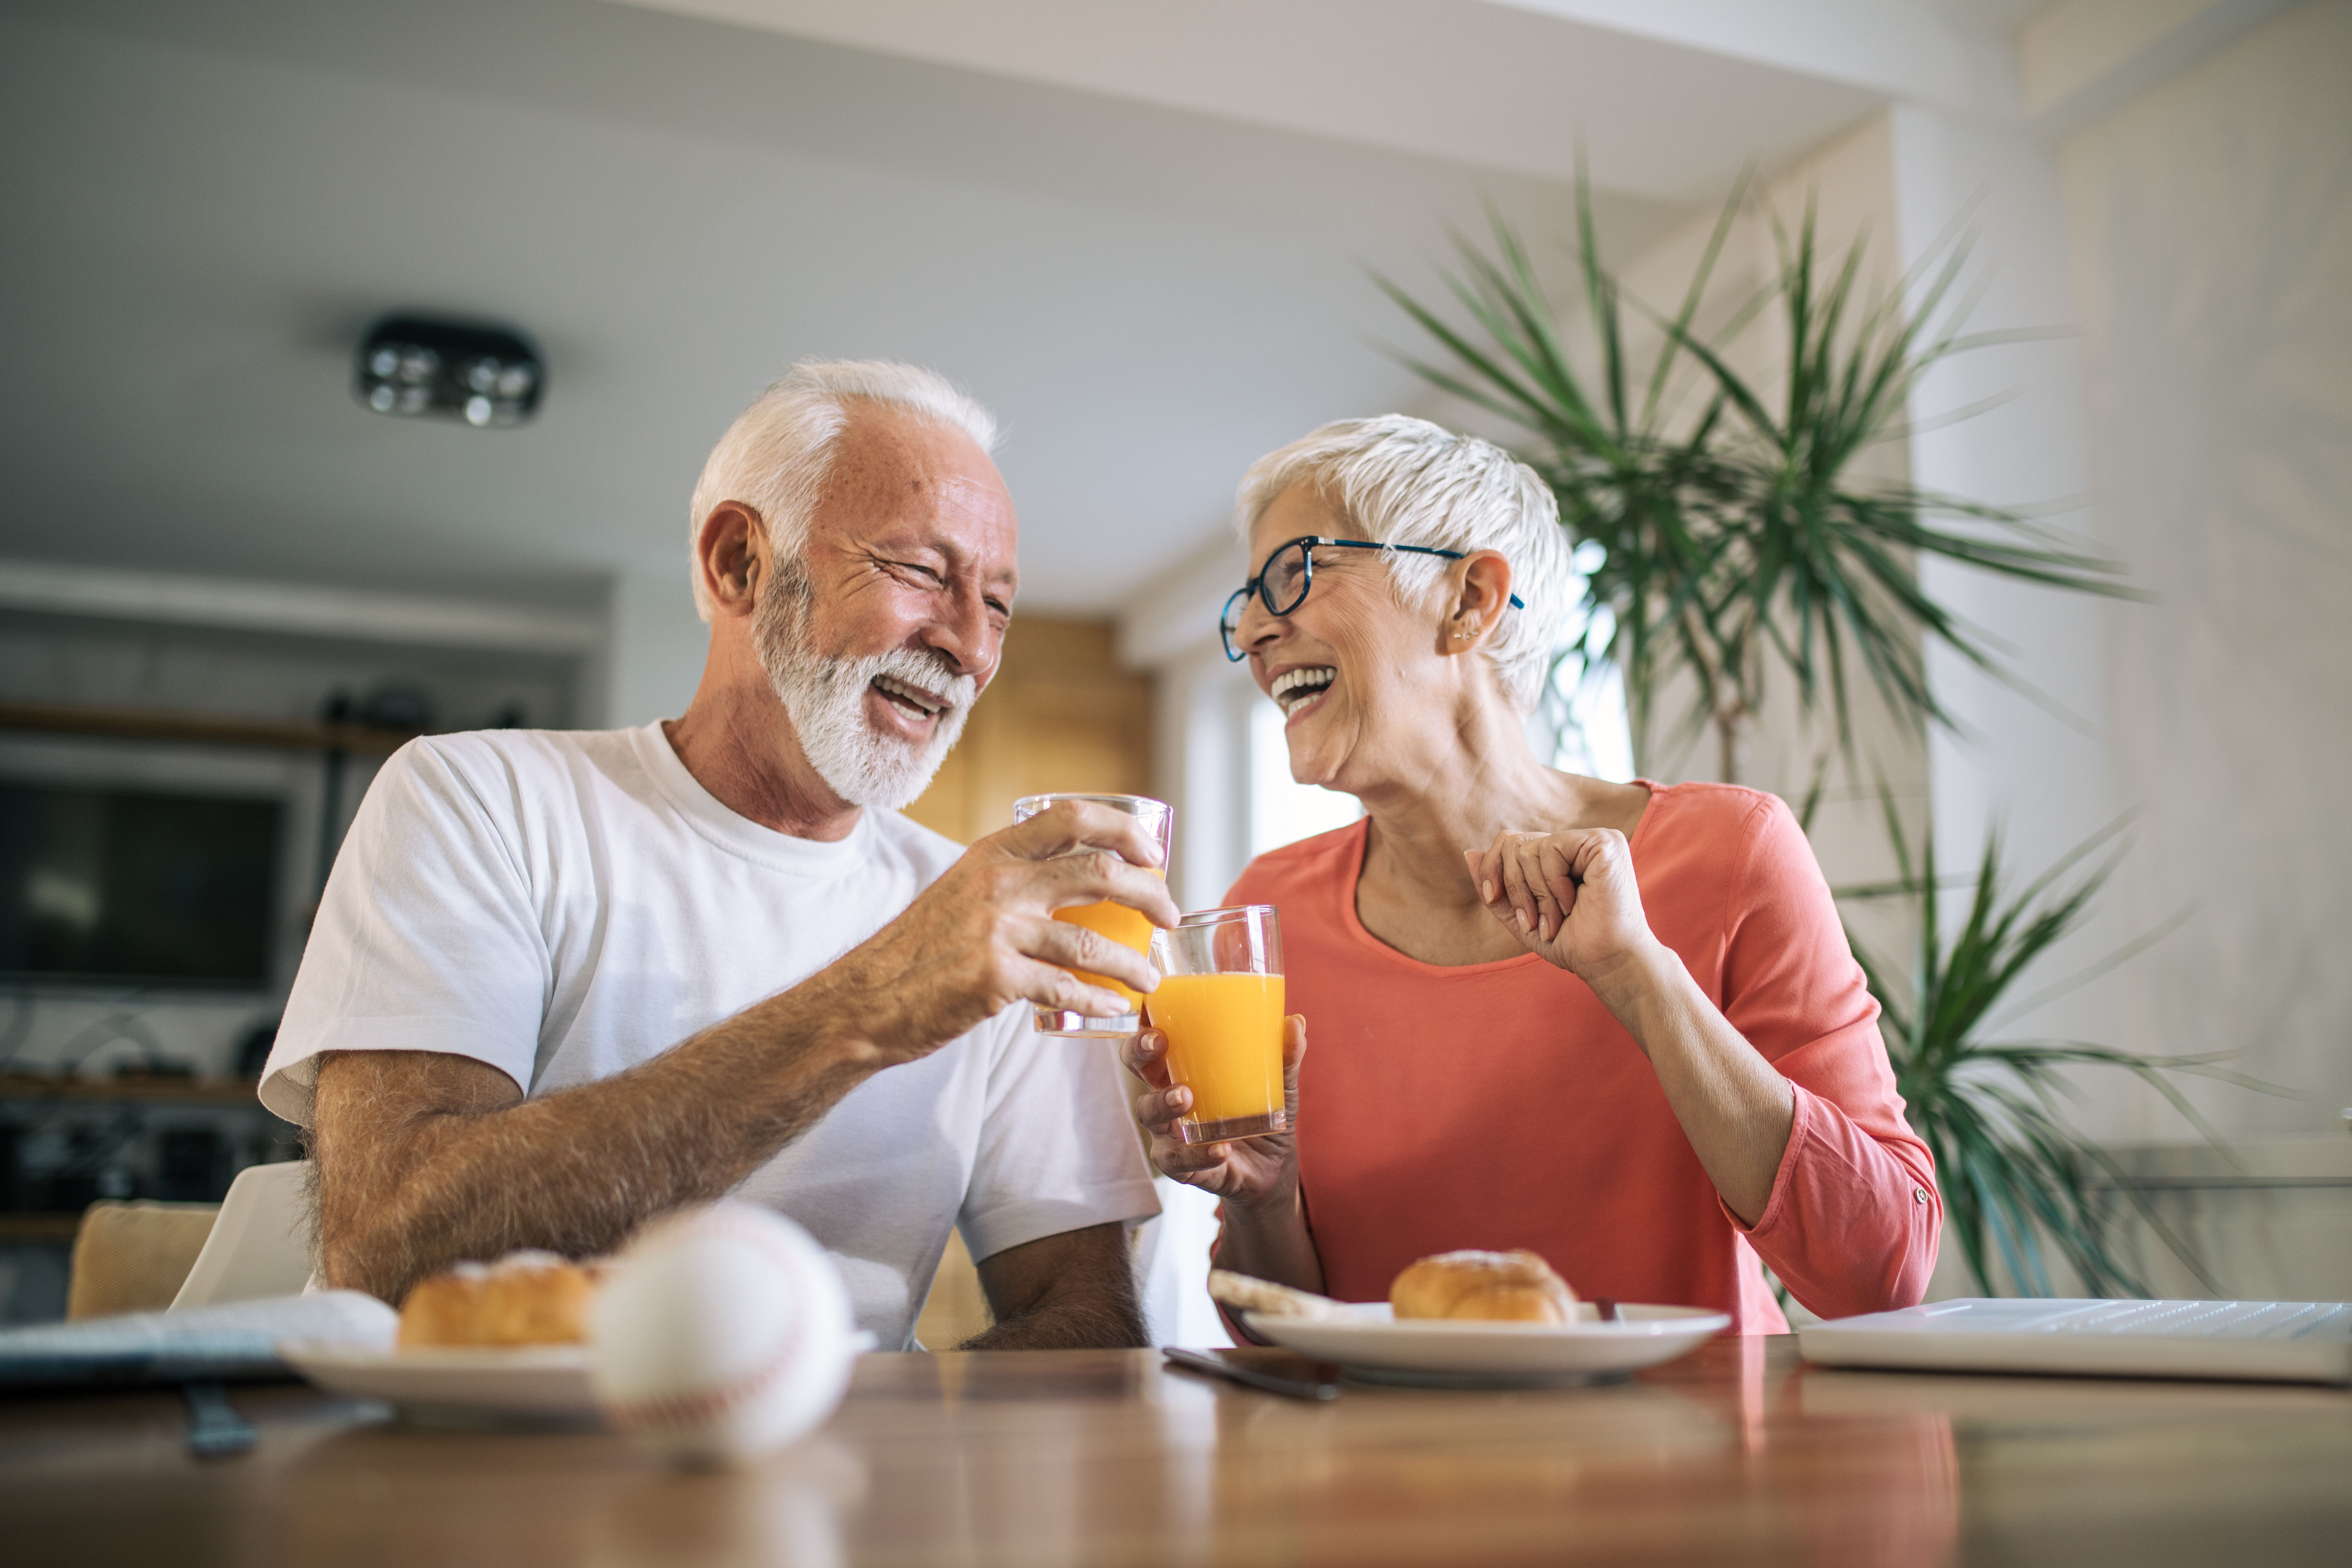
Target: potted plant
{"points": [[2017, 1180], [1728, 530]]}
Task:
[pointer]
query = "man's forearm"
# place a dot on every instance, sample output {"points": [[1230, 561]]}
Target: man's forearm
{"points": [[1094, 1321], [404, 1191], [1074, 1290]]}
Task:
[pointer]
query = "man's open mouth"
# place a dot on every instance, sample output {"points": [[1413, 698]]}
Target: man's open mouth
{"points": [[1295, 688], [912, 700]]}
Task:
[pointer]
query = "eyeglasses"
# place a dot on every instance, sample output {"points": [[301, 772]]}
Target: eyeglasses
{"points": [[1281, 586]]}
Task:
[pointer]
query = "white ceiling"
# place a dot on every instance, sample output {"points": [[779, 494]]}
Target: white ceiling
{"points": [[1670, 111], [207, 200]]}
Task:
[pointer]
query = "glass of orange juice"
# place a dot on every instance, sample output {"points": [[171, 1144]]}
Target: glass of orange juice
{"points": [[1220, 1005], [1129, 928]]}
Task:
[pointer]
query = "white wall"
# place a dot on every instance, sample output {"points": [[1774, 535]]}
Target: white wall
{"points": [[654, 657], [2211, 222], [2028, 760], [2200, 234]]}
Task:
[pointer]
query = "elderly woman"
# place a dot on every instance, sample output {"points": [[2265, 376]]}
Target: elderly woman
{"points": [[1618, 1025]]}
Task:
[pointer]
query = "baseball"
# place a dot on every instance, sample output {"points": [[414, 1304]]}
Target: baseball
{"points": [[721, 1333]]}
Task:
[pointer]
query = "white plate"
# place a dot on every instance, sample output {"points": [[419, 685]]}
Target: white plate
{"points": [[1368, 1341], [527, 1382]]}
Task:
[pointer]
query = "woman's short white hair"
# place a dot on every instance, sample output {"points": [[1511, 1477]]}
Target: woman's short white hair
{"points": [[773, 458], [1401, 480]]}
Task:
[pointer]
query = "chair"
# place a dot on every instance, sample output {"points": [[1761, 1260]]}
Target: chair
{"points": [[957, 1307], [261, 1244], [132, 1256]]}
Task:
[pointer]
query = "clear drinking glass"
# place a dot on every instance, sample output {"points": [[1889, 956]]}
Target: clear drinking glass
{"points": [[1220, 1005], [1126, 927]]}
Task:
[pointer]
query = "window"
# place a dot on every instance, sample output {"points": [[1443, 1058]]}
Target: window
{"points": [[1281, 811], [1585, 719], [1596, 738]]}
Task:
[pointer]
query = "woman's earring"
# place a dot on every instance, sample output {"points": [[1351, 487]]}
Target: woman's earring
{"points": [[1470, 633]]}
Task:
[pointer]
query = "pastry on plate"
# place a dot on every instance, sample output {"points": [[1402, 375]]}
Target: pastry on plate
{"points": [[523, 1299], [1496, 1287], [1247, 1293]]}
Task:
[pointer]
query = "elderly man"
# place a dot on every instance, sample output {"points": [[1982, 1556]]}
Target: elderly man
{"points": [[562, 982]]}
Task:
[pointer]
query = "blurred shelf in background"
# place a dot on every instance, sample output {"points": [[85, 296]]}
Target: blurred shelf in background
{"points": [[50, 1227], [145, 724], [129, 1091]]}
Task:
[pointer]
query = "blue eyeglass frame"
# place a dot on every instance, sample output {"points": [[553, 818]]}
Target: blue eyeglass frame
{"points": [[1229, 618]]}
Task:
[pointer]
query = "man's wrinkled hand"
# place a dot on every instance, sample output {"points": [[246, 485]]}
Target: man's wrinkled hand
{"points": [[983, 936]]}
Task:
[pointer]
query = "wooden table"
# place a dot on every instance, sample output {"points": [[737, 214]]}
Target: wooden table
{"points": [[1737, 1454]]}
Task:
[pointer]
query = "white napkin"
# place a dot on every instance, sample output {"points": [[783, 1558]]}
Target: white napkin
{"points": [[235, 1339]]}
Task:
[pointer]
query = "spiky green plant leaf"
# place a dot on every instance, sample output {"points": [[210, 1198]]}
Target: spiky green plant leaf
{"points": [[1747, 534], [2014, 1173]]}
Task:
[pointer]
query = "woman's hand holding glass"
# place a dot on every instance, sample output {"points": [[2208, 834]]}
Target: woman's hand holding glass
{"points": [[1246, 1171], [1572, 898]]}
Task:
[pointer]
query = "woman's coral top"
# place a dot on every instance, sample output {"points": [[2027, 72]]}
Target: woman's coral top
{"points": [[1500, 1105]]}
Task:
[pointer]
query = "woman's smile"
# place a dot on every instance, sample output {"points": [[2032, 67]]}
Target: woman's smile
{"points": [[1302, 688]]}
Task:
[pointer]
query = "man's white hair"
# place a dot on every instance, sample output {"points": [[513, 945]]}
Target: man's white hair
{"points": [[1401, 480], [775, 456]]}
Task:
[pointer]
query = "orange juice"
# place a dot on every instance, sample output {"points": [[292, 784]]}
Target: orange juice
{"points": [[1126, 927], [1225, 1044]]}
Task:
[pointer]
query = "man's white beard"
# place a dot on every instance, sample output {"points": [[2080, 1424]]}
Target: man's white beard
{"points": [[825, 699]]}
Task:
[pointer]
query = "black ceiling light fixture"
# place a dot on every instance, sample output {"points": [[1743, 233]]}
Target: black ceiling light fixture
{"points": [[417, 367]]}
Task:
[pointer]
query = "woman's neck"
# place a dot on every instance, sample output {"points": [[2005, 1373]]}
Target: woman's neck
{"points": [[1454, 789], [1423, 821]]}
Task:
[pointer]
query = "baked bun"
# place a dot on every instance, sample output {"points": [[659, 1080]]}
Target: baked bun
{"points": [[1497, 1287], [523, 1299]]}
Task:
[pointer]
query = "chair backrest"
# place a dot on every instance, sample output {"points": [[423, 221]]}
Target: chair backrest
{"points": [[260, 1245], [133, 1257], [957, 1307]]}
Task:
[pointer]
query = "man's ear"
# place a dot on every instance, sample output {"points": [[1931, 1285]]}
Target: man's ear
{"points": [[731, 553], [1482, 591]]}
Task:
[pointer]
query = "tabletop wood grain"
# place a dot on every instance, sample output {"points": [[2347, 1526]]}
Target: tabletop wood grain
{"points": [[1737, 1454]]}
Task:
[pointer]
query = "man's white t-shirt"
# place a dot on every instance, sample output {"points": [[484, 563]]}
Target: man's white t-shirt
{"points": [[563, 905]]}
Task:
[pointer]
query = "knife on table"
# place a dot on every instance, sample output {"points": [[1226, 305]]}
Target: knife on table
{"points": [[1319, 1386]]}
